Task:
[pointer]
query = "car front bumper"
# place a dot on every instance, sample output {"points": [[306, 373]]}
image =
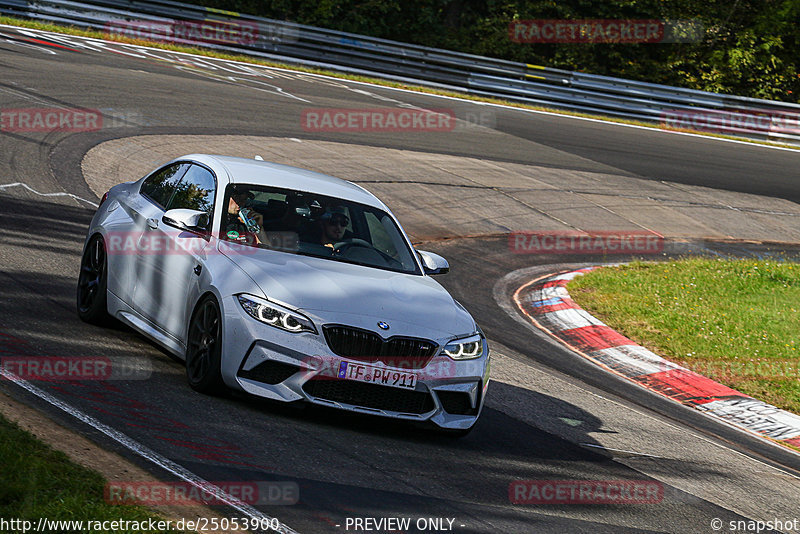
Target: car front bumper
{"points": [[278, 365]]}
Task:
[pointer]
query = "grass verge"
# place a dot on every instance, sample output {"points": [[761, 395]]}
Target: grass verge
{"points": [[71, 30], [37, 481], [735, 321]]}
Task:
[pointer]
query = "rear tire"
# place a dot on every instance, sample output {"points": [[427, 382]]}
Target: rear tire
{"points": [[92, 295], [204, 348]]}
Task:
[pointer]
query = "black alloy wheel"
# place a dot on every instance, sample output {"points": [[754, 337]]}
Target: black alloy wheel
{"points": [[204, 350], [93, 283]]}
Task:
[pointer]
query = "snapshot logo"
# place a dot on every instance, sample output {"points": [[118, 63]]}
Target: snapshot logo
{"points": [[377, 120], [585, 492], [213, 493], [732, 121], [604, 31], [50, 120], [575, 242], [187, 31]]}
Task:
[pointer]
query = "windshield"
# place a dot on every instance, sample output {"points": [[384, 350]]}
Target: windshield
{"points": [[298, 222]]}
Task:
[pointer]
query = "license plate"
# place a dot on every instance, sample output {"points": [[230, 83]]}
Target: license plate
{"points": [[377, 375]]}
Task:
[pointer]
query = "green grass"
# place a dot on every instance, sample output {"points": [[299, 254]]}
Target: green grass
{"points": [[735, 321], [71, 30], [38, 481]]}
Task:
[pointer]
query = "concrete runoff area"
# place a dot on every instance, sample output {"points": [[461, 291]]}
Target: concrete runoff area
{"points": [[439, 196]]}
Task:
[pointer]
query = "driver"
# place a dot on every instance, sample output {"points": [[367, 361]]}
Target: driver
{"points": [[333, 226]]}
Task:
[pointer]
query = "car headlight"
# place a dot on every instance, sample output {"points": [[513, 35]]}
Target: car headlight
{"points": [[276, 315], [466, 348]]}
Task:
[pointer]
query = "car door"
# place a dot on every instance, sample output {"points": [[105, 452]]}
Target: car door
{"points": [[173, 259], [126, 227]]}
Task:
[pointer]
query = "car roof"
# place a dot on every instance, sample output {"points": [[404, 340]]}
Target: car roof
{"points": [[252, 171]]}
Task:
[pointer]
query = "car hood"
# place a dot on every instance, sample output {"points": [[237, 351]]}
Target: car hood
{"points": [[339, 292]]}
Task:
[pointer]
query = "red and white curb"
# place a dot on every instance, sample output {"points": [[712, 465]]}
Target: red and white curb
{"points": [[547, 304]]}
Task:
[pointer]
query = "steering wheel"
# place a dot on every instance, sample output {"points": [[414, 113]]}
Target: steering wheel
{"points": [[343, 246]]}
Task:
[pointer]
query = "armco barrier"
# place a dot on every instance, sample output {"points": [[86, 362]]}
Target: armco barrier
{"points": [[483, 76]]}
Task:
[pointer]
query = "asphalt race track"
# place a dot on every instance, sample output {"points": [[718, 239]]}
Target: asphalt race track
{"points": [[549, 415]]}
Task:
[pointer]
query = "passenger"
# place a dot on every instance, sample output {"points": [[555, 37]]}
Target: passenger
{"points": [[242, 224]]}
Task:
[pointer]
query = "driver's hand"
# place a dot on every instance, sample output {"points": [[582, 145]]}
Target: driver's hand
{"points": [[258, 218]]}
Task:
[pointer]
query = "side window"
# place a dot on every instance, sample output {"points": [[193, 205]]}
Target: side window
{"points": [[195, 191], [160, 186]]}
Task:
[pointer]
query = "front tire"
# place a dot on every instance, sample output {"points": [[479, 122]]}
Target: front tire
{"points": [[204, 348], [92, 297]]}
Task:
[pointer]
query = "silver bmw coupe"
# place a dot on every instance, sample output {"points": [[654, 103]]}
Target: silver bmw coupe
{"points": [[285, 284]]}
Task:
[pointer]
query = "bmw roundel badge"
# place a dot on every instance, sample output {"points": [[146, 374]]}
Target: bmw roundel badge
{"points": [[383, 325]]}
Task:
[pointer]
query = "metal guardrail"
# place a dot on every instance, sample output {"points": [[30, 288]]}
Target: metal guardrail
{"points": [[482, 76]]}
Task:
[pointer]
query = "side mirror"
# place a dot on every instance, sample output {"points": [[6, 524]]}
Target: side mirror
{"points": [[185, 219], [433, 263]]}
